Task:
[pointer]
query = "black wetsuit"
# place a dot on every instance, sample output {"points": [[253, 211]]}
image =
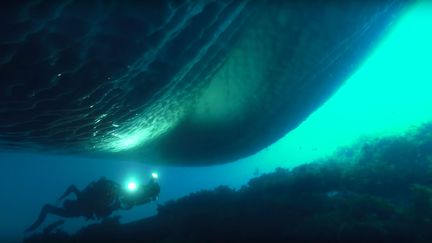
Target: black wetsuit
{"points": [[98, 200]]}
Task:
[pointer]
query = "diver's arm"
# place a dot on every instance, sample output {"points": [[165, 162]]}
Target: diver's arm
{"points": [[124, 201], [125, 204]]}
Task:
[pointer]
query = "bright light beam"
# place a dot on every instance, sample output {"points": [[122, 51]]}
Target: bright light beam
{"points": [[132, 186]]}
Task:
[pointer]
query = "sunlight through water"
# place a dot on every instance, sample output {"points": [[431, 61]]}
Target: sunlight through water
{"points": [[388, 94]]}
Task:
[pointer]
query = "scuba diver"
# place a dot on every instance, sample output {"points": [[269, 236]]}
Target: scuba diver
{"points": [[99, 200]]}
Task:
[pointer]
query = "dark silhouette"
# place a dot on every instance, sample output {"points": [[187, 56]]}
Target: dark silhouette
{"points": [[98, 200], [379, 190]]}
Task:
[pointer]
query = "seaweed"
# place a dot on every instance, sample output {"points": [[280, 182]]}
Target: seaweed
{"points": [[379, 190]]}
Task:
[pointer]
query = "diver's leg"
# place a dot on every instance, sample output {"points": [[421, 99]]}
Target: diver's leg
{"points": [[71, 189], [42, 215], [49, 209]]}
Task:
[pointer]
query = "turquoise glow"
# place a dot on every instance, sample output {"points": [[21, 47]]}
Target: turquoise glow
{"points": [[388, 94], [155, 175], [132, 186], [130, 140]]}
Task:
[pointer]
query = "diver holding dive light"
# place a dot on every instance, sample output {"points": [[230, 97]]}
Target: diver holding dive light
{"points": [[100, 199]]}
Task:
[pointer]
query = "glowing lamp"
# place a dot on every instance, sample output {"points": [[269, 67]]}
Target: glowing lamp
{"points": [[132, 186]]}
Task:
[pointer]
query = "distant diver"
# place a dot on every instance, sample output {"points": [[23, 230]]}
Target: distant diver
{"points": [[99, 200]]}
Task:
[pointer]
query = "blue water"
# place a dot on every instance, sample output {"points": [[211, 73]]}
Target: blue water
{"points": [[29, 180]]}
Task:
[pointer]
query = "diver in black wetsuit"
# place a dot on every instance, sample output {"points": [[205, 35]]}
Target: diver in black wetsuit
{"points": [[99, 200]]}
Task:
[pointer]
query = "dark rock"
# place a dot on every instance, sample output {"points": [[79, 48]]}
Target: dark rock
{"points": [[326, 201], [180, 82]]}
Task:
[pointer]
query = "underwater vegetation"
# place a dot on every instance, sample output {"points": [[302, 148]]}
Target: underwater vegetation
{"points": [[379, 189]]}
